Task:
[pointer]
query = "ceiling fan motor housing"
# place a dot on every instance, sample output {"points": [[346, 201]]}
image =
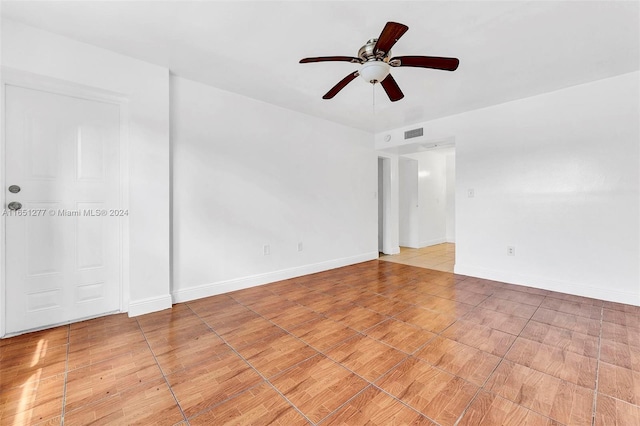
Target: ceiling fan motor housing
{"points": [[367, 52]]}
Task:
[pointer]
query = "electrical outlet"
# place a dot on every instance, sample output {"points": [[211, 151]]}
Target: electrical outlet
{"points": [[471, 193], [266, 249], [511, 251], [300, 246]]}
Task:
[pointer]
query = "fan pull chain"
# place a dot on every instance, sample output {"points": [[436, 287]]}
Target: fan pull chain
{"points": [[373, 102]]}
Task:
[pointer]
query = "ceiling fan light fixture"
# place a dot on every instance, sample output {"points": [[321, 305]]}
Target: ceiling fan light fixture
{"points": [[374, 71]]}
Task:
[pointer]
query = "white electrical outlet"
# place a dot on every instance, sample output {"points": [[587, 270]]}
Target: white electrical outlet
{"points": [[511, 251], [300, 246], [471, 193], [266, 249]]}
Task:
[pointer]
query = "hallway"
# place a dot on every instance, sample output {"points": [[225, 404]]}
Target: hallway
{"points": [[440, 257]]}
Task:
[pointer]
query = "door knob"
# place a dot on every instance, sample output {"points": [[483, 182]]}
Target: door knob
{"points": [[14, 205]]}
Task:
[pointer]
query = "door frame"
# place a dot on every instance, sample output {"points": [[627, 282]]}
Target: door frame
{"points": [[13, 77], [390, 204]]}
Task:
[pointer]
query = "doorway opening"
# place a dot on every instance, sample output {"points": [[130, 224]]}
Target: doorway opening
{"points": [[440, 257], [426, 206]]}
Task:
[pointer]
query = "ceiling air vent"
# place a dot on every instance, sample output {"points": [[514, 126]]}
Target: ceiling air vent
{"points": [[413, 133]]}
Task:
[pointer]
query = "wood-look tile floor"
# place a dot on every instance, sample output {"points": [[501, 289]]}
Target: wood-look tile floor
{"points": [[376, 343], [439, 257]]}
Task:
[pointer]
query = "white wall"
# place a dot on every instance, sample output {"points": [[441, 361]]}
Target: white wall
{"points": [[147, 89], [408, 197], [247, 174], [556, 176], [450, 203], [382, 188]]}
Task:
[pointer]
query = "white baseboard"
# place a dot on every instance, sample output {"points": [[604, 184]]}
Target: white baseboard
{"points": [[432, 242], [577, 289], [392, 250], [427, 243], [212, 289], [409, 244], [151, 304]]}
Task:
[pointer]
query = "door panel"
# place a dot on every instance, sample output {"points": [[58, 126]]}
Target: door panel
{"points": [[89, 231], [90, 154], [62, 256], [41, 259]]}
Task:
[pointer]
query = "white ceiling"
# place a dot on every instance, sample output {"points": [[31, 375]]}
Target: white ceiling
{"points": [[507, 49]]}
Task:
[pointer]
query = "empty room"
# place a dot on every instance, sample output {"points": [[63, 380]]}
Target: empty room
{"points": [[320, 212]]}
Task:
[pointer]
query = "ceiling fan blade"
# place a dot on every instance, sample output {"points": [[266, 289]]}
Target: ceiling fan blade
{"points": [[448, 64], [390, 34], [341, 85], [391, 87], [331, 59]]}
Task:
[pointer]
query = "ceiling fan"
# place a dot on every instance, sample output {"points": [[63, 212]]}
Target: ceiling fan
{"points": [[376, 62]]}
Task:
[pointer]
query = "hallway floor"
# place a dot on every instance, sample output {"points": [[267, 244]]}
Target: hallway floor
{"points": [[377, 343], [440, 257]]}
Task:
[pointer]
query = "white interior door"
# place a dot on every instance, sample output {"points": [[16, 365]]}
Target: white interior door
{"points": [[62, 252]]}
